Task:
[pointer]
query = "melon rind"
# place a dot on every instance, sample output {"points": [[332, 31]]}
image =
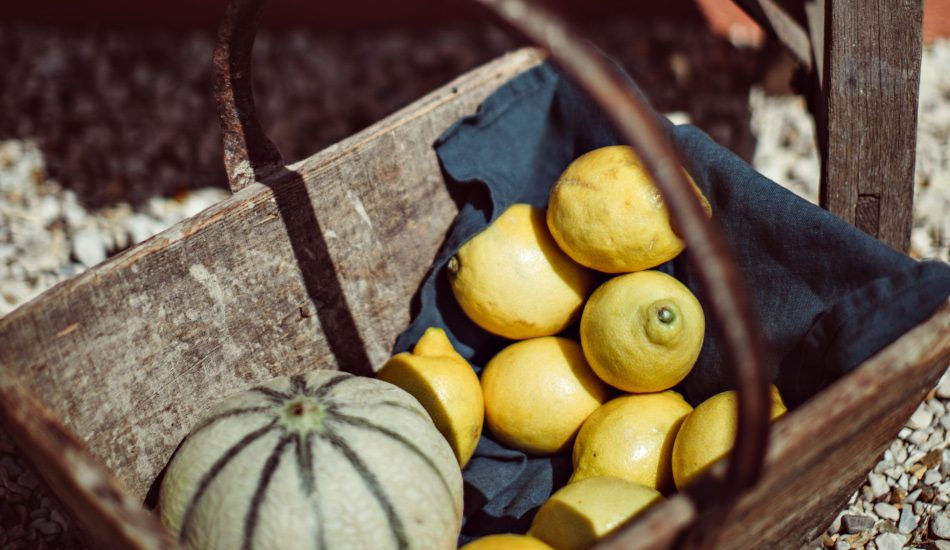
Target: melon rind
{"points": [[380, 473]]}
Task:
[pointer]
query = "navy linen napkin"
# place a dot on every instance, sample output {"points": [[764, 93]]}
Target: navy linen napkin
{"points": [[827, 295]]}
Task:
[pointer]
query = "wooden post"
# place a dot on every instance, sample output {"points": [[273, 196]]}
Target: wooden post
{"points": [[866, 114]]}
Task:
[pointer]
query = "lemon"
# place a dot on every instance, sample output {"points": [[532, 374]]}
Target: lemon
{"points": [[642, 332], [607, 214], [512, 279], [538, 392], [631, 437], [506, 542], [445, 384], [708, 433], [582, 513]]}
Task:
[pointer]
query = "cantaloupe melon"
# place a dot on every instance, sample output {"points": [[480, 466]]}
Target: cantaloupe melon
{"points": [[318, 461]]}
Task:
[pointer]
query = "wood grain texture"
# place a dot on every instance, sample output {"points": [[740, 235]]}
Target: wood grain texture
{"points": [[106, 515], [312, 268], [818, 454], [869, 97], [822, 453], [315, 268]]}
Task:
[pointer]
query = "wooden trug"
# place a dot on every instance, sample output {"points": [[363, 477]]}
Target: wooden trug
{"points": [[315, 267]]}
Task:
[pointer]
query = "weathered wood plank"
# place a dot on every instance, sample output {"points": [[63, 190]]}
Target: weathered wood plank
{"points": [[106, 515], [868, 127], [823, 453], [314, 269], [305, 270], [818, 454]]}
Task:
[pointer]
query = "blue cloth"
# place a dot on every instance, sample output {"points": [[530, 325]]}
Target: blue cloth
{"points": [[827, 295]]}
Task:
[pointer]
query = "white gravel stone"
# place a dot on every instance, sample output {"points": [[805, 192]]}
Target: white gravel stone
{"points": [[48, 210], [908, 521], [943, 388], [76, 215], [836, 524], [904, 482], [199, 200], [900, 453], [932, 477], [940, 526], [890, 541], [921, 418], [89, 248], [879, 485], [936, 407], [886, 511], [914, 458], [882, 466], [919, 437], [140, 227]]}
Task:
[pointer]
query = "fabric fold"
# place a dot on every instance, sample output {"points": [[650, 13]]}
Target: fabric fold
{"points": [[827, 296]]}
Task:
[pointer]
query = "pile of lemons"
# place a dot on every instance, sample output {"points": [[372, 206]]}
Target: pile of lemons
{"points": [[606, 398]]}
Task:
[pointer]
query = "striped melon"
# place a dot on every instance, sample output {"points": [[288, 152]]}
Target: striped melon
{"points": [[322, 460]]}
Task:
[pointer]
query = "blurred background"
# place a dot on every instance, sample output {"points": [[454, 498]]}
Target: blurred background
{"points": [[108, 133]]}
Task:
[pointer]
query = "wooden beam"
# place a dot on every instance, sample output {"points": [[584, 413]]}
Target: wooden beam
{"points": [[866, 114]]}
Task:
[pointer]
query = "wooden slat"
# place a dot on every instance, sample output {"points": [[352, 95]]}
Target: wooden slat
{"points": [[822, 454], [818, 454], [105, 513], [867, 117], [314, 268]]}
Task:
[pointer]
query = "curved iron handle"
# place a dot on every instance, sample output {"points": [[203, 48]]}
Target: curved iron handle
{"points": [[249, 155], [707, 250]]}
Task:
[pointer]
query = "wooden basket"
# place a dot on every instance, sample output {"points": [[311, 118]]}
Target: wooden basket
{"points": [[313, 265]]}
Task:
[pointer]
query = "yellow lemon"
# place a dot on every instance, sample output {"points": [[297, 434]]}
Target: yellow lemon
{"points": [[538, 392], [512, 279], [445, 384], [708, 433], [607, 214], [506, 542], [642, 332], [631, 437], [582, 513]]}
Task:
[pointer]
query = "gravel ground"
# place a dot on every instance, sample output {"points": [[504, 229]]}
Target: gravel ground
{"points": [[108, 137]]}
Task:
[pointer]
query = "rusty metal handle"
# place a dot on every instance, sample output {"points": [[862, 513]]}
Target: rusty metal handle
{"points": [[249, 154]]}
